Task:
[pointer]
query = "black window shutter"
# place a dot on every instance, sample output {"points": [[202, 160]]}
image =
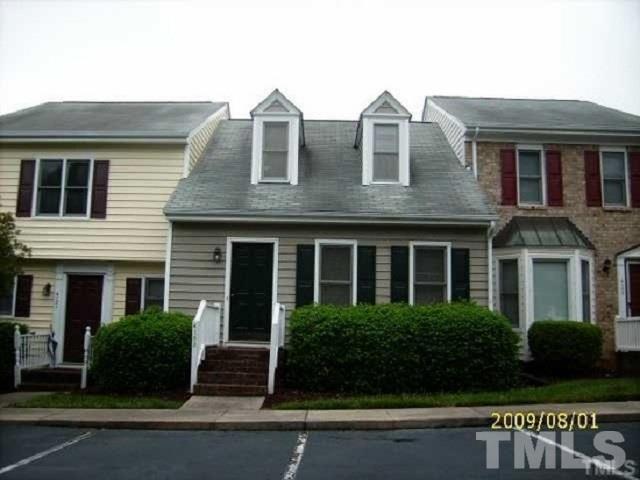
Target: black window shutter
{"points": [[25, 188], [23, 296], [367, 275], [304, 275], [400, 274], [100, 188], [459, 274], [133, 294]]}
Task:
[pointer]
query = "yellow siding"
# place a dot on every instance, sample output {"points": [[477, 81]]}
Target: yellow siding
{"points": [[199, 141], [127, 270], [141, 179], [41, 306]]}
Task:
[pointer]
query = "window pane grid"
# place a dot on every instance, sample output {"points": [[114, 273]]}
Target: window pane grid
{"points": [[63, 187], [614, 178], [530, 176], [275, 150], [336, 274], [429, 275], [386, 145]]}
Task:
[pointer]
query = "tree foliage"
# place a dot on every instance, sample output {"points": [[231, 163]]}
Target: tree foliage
{"points": [[12, 251]]}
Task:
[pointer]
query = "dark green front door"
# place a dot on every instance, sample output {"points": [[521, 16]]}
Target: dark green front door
{"points": [[251, 284]]}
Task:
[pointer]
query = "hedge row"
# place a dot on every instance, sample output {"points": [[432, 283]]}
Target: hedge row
{"points": [[400, 348]]}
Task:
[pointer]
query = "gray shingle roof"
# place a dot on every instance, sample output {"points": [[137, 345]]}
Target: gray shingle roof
{"points": [[330, 180], [541, 232], [537, 114], [107, 119]]}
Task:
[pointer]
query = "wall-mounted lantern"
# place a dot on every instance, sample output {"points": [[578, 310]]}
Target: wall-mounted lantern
{"points": [[46, 290], [217, 255]]}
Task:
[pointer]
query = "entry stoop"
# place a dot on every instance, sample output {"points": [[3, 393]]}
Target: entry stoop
{"points": [[233, 371]]}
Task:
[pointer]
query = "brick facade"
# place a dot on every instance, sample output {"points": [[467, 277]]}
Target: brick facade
{"points": [[610, 230]]}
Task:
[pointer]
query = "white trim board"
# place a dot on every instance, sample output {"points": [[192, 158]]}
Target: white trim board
{"points": [[227, 276]]}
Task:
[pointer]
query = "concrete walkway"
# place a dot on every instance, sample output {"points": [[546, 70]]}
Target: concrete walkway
{"points": [[234, 419], [215, 404]]}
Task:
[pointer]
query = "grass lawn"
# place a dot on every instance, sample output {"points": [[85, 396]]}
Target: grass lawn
{"points": [[89, 400], [589, 390]]}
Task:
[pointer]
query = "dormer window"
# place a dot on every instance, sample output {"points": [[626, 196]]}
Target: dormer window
{"points": [[386, 145], [277, 137], [275, 152], [383, 136]]}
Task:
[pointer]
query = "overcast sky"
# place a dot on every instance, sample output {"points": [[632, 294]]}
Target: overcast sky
{"points": [[331, 58]]}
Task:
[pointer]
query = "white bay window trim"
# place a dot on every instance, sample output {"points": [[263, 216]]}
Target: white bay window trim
{"points": [[623, 261], [606, 149], [417, 244], [543, 175], [319, 243], [63, 186], [518, 257]]}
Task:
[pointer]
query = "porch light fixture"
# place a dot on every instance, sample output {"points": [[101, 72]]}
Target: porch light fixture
{"points": [[217, 255], [46, 290], [606, 266]]}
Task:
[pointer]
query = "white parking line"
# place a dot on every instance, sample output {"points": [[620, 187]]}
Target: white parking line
{"points": [[603, 466], [296, 457], [44, 453]]}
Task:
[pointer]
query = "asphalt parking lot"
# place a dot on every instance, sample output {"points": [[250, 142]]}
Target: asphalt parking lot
{"points": [[29, 452]]}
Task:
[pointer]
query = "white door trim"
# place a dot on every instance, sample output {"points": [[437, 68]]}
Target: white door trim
{"points": [[227, 275], [62, 273]]}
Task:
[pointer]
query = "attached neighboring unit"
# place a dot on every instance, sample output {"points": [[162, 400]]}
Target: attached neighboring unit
{"points": [[87, 182], [565, 177], [284, 211]]}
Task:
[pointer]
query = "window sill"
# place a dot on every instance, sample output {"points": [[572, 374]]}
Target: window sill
{"points": [[532, 207], [611, 208]]}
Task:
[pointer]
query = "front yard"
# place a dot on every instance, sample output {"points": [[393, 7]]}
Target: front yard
{"points": [[574, 391], [90, 400]]}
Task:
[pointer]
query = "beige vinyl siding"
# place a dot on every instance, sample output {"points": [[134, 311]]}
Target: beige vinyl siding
{"points": [[41, 306], [199, 140], [141, 179], [194, 276], [452, 129], [131, 270]]}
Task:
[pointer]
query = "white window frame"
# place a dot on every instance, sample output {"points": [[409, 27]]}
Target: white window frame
{"points": [[627, 187], [518, 259], [317, 263], [622, 266], [368, 139], [257, 145], [412, 247], [543, 175], [13, 304], [143, 289], [287, 178], [373, 153], [61, 215]]}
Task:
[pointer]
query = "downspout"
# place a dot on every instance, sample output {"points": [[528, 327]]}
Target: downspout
{"points": [[474, 152], [490, 233]]}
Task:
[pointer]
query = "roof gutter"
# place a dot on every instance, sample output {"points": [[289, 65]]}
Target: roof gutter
{"points": [[127, 140], [569, 136], [478, 221]]}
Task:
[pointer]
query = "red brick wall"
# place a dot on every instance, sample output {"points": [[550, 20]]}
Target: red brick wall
{"points": [[611, 231]]}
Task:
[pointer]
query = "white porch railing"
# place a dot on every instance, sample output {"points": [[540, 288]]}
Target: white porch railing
{"points": [[628, 334], [87, 357], [205, 332], [277, 341], [32, 351]]}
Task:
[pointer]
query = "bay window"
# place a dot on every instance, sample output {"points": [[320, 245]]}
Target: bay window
{"points": [[509, 290], [585, 273], [550, 289]]}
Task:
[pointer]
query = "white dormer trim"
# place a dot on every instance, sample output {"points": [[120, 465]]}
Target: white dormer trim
{"points": [[385, 110], [276, 108]]}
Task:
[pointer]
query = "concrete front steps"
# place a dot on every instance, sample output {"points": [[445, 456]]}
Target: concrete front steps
{"points": [[233, 371], [50, 379]]}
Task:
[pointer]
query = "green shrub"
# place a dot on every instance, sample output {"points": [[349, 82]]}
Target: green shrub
{"points": [[400, 348], [148, 352], [7, 353], [565, 346]]}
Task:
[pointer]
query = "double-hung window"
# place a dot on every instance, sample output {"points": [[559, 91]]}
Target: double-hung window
{"points": [[63, 187], [275, 152], [336, 276], [430, 274], [550, 289], [386, 143], [586, 290], [7, 300], [530, 173], [153, 293], [614, 178], [509, 291]]}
